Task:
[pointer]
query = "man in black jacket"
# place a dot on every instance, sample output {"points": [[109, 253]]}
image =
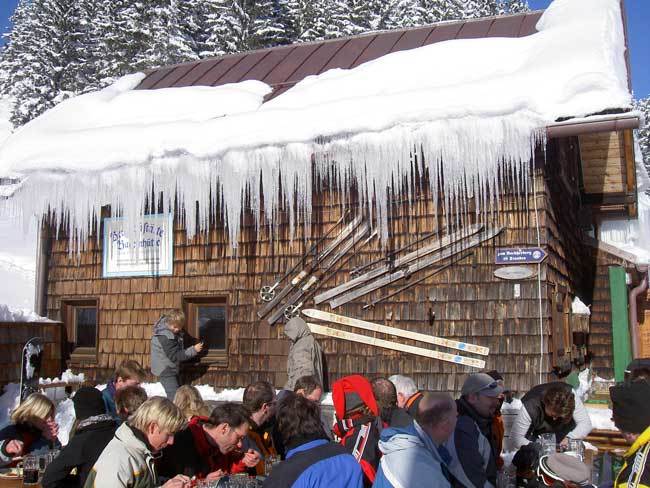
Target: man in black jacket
{"points": [[473, 446], [94, 429]]}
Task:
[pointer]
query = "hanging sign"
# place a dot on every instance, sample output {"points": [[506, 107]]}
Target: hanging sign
{"points": [[515, 272], [151, 254], [519, 255]]}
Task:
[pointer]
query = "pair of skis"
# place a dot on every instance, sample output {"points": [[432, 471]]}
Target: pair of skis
{"points": [[370, 326], [304, 284], [439, 250]]}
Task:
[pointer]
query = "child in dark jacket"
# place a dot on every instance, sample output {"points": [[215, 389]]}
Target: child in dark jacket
{"points": [[128, 373], [33, 428], [94, 429], [167, 350]]}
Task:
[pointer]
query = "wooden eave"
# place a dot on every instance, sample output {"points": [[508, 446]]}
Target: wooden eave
{"points": [[608, 173]]}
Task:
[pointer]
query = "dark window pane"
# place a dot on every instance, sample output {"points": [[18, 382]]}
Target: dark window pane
{"points": [[86, 321], [212, 326]]}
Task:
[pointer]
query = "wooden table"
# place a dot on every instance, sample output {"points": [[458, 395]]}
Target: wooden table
{"points": [[14, 483]]}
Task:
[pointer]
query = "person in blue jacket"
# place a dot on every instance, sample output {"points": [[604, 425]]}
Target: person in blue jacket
{"points": [[312, 460], [415, 456]]}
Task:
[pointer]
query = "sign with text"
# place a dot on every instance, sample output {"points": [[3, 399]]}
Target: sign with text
{"points": [[519, 255], [150, 254]]}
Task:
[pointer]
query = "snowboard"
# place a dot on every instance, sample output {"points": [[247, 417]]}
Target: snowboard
{"points": [[32, 357]]}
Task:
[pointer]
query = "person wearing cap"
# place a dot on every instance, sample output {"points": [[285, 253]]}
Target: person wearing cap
{"points": [[631, 416], [550, 408], [305, 354], [413, 456], [93, 430], [473, 446]]}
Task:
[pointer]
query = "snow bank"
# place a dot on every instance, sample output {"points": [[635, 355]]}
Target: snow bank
{"points": [[20, 315], [601, 418], [470, 107], [578, 307]]}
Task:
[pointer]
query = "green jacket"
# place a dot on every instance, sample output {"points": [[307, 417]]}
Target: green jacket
{"points": [[126, 462]]}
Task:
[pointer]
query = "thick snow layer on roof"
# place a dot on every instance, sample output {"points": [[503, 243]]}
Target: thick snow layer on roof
{"points": [[470, 107], [20, 315]]}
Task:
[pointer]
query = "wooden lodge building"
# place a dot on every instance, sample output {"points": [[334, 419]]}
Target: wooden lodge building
{"points": [[585, 173]]}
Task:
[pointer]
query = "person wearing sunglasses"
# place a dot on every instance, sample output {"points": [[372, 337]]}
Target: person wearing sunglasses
{"points": [[472, 447], [631, 415], [550, 408]]}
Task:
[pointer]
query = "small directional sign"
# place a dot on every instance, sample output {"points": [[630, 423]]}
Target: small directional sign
{"points": [[519, 255]]}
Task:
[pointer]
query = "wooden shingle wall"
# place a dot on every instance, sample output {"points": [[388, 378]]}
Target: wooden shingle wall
{"points": [[466, 302]]}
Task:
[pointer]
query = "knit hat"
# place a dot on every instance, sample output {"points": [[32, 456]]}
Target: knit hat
{"points": [[88, 402], [563, 467], [483, 384], [630, 406]]}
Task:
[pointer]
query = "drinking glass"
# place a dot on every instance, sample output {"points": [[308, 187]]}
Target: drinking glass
{"points": [[269, 462], [30, 470], [548, 442], [576, 448]]}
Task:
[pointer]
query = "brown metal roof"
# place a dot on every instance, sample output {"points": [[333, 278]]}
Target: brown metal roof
{"points": [[284, 66]]}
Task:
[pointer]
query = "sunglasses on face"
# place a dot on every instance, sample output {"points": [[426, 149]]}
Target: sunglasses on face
{"points": [[491, 386]]}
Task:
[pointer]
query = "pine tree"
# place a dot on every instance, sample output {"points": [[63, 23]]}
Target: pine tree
{"points": [[41, 59], [134, 36], [643, 134]]}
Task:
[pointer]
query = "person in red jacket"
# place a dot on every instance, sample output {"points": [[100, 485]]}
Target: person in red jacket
{"points": [[211, 447], [358, 423]]}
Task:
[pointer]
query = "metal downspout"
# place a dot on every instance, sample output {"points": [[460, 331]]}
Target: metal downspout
{"points": [[634, 293]]}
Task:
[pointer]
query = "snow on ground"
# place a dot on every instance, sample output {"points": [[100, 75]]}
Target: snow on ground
{"points": [[476, 105], [601, 418]]}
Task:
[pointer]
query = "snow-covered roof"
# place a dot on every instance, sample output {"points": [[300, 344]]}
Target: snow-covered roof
{"points": [[471, 106]]}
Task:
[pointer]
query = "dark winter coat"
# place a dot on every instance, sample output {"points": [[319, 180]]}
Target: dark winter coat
{"points": [[167, 350], [316, 464], [540, 424], [108, 395], [305, 354], [191, 454], [84, 448], [31, 437], [399, 418], [473, 448]]}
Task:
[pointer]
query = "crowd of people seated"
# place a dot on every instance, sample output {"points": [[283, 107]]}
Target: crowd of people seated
{"points": [[386, 433]]}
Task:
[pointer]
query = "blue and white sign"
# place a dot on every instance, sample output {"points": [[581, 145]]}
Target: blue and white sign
{"points": [[519, 255], [151, 254]]}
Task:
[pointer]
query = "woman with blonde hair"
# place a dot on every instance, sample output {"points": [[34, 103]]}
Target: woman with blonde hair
{"points": [[32, 428], [189, 400], [128, 459]]}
